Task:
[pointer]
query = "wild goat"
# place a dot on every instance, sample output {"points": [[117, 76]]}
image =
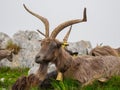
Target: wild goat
{"points": [[84, 69], [104, 51], [41, 74], [6, 54]]}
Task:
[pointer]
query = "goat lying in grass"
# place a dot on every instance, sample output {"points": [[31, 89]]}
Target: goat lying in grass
{"points": [[6, 54], [84, 69], [104, 51], [40, 75]]}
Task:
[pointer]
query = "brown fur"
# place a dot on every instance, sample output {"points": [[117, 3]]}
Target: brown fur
{"points": [[21, 84], [104, 51], [49, 49], [25, 83], [118, 51], [84, 69], [6, 54], [33, 80]]}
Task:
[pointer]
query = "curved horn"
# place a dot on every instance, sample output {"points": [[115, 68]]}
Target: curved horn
{"points": [[84, 15], [68, 23], [67, 35], [44, 20]]}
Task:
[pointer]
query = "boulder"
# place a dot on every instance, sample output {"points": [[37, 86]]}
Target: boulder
{"points": [[82, 47], [4, 38], [30, 45]]}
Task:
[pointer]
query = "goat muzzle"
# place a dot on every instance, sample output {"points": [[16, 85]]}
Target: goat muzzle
{"points": [[41, 59], [38, 59]]}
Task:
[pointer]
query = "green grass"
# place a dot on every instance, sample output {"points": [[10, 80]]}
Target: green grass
{"points": [[69, 84], [112, 84], [11, 75]]}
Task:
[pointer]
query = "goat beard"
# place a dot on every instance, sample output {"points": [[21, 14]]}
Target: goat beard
{"points": [[42, 71], [33, 80]]}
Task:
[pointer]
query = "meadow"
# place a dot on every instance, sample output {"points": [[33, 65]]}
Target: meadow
{"points": [[9, 76]]}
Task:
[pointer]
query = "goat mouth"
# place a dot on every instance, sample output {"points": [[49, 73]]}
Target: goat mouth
{"points": [[41, 61], [10, 60]]}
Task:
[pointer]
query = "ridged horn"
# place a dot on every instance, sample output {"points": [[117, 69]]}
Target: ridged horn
{"points": [[68, 23], [67, 35], [44, 20]]}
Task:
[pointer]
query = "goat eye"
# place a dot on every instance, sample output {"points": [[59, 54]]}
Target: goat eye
{"points": [[53, 45], [41, 44]]}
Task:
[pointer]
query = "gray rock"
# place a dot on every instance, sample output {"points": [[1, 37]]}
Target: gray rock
{"points": [[30, 45], [28, 41], [4, 38], [82, 47], [34, 69]]}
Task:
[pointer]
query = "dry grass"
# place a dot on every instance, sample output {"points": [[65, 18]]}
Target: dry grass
{"points": [[12, 46]]}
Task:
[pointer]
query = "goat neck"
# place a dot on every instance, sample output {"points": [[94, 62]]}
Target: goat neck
{"points": [[42, 71], [63, 60]]}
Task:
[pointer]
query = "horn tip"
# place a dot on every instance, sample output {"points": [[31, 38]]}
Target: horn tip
{"points": [[23, 4], [84, 15]]}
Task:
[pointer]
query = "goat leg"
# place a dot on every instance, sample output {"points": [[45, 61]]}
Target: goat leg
{"points": [[25, 83]]}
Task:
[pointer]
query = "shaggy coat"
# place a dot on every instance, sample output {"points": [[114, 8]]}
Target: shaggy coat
{"points": [[42, 72], [118, 51], [84, 69], [33, 80], [104, 51], [6, 54]]}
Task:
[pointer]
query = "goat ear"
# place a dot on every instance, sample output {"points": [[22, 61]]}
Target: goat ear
{"points": [[59, 44]]}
